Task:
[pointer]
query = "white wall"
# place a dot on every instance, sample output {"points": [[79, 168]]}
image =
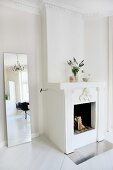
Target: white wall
{"points": [[70, 35], [65, 40], [96, 47], [96, 32], [110, 100], [20, 32]]}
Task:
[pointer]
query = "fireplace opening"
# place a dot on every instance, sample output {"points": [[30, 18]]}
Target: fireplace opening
{"points": [[84, 117]]}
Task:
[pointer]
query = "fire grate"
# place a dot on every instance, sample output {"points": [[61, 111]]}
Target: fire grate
{"points": [[87, 128]]}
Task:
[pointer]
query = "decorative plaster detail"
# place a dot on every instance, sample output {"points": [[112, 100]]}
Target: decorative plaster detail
{"points": [[62, 9], [86, 13], [97, 14], [22, 5], [61, 6], [85, 96], [36, 8]]}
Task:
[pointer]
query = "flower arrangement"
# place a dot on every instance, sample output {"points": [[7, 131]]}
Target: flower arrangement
{"points": [[75, 66]]}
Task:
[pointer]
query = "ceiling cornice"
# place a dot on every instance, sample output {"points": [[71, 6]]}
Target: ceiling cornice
{"points": [[22, 5], [30, 7], [54, 4], [83, 12], [96, 13]]}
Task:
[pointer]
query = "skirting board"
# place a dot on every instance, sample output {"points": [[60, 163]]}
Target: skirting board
{"points": [[109, 136], [2, 144], [35, 135]]}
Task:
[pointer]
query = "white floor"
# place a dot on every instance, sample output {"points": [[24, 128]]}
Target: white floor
{"points": [[40, 154]]}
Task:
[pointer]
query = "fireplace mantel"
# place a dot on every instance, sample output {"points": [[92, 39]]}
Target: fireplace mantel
{"points": [[68, 85], [60, 101]]}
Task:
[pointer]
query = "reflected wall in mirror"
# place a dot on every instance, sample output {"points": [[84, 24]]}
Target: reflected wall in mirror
{"points": [[17, 99]]}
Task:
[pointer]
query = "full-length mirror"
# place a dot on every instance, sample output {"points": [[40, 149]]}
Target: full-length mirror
{"points": [[17, 99]]}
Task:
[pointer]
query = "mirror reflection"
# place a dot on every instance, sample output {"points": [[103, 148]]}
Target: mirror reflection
{"points": [[17, 98]]}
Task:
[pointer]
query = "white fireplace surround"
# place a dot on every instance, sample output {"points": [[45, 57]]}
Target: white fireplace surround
{"points": [[61, 98]]}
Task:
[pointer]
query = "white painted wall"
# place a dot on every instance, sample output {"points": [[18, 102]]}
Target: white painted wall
{"points": [[20, 32], [96, 47], [65, 40], [110, 100], [70, 35]]}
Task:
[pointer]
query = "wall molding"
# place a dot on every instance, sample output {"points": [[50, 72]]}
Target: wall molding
{"points": [[21, 5], [33, 8], [65, 7], [98, 14], [61, 9], [85, 13]]}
